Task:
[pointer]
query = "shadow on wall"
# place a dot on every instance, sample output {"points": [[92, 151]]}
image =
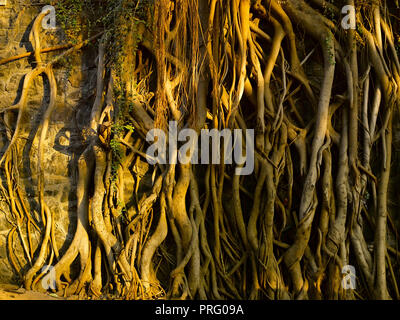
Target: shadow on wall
{"points": [[63, 143]]}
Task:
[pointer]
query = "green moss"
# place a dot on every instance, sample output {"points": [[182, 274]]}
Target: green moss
{"points": [[118, 19], [397, 45]]}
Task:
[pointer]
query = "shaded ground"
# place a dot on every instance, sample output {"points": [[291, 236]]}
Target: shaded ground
{"points": [[12, 292]]}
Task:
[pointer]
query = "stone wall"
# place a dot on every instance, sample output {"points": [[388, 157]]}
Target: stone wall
{"points": [[75, 85]]}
